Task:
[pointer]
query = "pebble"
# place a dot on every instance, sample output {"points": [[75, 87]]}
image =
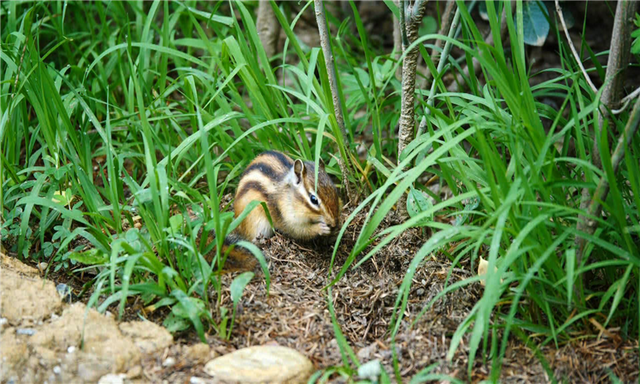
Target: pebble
{"points": [[261, 364], [370, 370], [169, 362], [26, 331], [71, 349], [57, 370], [42, 266], [112, 378]]}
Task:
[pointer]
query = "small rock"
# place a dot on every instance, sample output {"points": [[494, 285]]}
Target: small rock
{"points": [[112, 378], [197, 380], [370, 370], [134, 372], [42, 266], [26, 331], [3, 323], [71, 349], [198, 353], [420, 291], [260, 364], [57, 370], [169, 362]]}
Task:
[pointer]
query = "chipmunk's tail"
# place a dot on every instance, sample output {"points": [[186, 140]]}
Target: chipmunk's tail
{"points": [[239, 259]]}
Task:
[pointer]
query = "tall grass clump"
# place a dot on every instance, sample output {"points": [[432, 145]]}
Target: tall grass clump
{"points": [[516, 187]]}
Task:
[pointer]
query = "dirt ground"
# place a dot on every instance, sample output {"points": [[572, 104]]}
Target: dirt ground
{"points": [[295, 314]]}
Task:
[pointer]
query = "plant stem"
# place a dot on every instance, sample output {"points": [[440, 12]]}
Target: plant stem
{"points": [[589, 224], [447, 19], [333, 84], [618, 59]]}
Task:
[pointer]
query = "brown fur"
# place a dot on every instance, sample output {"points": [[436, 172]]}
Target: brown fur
{"points": [[272, 177]]}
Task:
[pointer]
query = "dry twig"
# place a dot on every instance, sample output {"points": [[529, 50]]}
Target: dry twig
{"points": [[573, 49]]}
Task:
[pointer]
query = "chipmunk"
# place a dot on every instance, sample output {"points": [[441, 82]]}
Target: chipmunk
{"points": [[298, 209]]}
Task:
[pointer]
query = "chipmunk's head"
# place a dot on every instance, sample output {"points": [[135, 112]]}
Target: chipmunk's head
{"points": [[317, 207]]}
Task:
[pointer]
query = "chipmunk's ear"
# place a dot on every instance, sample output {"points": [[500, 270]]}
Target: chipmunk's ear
{"points": [[298, 171], [321, 163]]}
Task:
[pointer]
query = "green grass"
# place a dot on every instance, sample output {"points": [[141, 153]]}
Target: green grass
{"points": [[116, 110]]}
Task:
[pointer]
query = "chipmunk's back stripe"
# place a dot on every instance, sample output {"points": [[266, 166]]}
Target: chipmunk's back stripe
{"points": [[274, 211], [281, 157], [251, 185], [265, 169]]}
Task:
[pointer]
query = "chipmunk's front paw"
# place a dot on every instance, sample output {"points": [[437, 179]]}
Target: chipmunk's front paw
{"points": [[324, 229]]}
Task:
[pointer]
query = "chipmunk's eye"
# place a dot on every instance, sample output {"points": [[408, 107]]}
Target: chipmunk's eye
{"points": [[313, 198]]}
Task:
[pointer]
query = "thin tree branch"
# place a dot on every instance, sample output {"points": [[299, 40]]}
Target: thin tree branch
{"points": [[453, 26], [625, 101], [409, 65], [397, 42], [619, 54], [268, 28], [602, 191], [573, 49], [333, 84], [403, 24], [447, 18], [417, 11]]}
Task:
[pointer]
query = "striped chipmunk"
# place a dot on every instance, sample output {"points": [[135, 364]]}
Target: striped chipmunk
{"points": [[297, 209]]}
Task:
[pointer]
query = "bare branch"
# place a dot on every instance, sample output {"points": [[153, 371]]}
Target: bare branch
{"points": [[447, 18], [403, 24], [626, 100], [409, 65], [589, 225], [397, 42], [268, 28], [333, 84], [573, 49], [619, 54], [445, 54]]}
